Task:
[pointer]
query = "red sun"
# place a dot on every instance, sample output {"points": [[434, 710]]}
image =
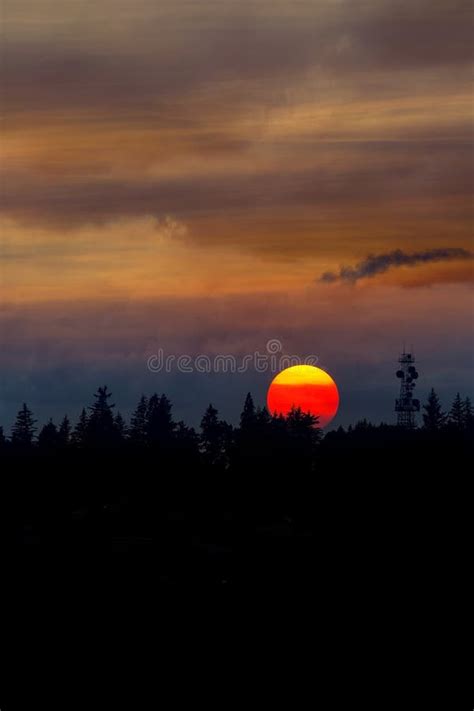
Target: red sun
{"points": [[306, 387]]}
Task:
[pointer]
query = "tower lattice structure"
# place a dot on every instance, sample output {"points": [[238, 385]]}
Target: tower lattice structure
{"points": [[406, 406]]}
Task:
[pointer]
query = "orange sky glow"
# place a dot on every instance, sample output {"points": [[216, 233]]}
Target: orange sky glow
{"points": [[215, 154]]}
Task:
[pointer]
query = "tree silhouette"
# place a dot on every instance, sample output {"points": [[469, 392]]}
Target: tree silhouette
{"points": [[456, 415], [48, 438], [304, 435], [64, 433], [468, 415], [433, 418], [248, 418], [138, 423], [187, 443], [98, 495], [262, 443], [101, 430], [120, 427], [246, 441], [263, 417], [362, 425], [159, 421], [79, 435], [263, 429], [215, 438], [24, 428], [279, 429]]}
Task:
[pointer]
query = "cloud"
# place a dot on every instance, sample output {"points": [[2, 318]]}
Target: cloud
{"points": [[115, 53], [313, 131], [279, 127], [324, 176], [379, 263]]}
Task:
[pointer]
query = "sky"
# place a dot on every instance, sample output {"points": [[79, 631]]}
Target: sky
{"points": [[201, 177]]}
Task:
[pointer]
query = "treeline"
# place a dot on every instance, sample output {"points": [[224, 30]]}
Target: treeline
{"points": [[153, 432], [218, 444], [272, 499]]}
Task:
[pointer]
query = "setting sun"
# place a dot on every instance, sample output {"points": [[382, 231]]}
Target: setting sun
{"points": [[306, 387]]}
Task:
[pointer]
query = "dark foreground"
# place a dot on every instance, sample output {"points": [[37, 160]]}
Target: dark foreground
{"points": [[358, 514]]}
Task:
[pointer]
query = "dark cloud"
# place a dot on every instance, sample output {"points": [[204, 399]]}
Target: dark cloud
{"points": [[210, 74], [396, 34], [369, 174], [38, 76], [150, 58], [380, 263]]}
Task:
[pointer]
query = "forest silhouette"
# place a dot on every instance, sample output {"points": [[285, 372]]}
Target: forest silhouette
{"points": [[219, 504]]}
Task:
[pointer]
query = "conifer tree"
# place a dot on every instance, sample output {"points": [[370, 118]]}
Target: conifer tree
{"points": [[160, 425], [48, 437], [468, 415], [138, 423], [247, 440], [24, 428], [215, 438], [100, 427], [79, 435], [248, 417], [64, 434], [187, 441], [456, 413], [302, 426], [120, 427], [263, 417], [433, 418]]}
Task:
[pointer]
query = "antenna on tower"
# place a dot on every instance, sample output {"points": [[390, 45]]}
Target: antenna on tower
{"points": [[406, 405]]}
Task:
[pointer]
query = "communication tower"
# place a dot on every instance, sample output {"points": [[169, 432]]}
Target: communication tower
{"points": [[406, 406]]}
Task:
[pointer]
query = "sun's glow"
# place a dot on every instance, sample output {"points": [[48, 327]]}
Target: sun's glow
{"points": [[307, 387]]}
